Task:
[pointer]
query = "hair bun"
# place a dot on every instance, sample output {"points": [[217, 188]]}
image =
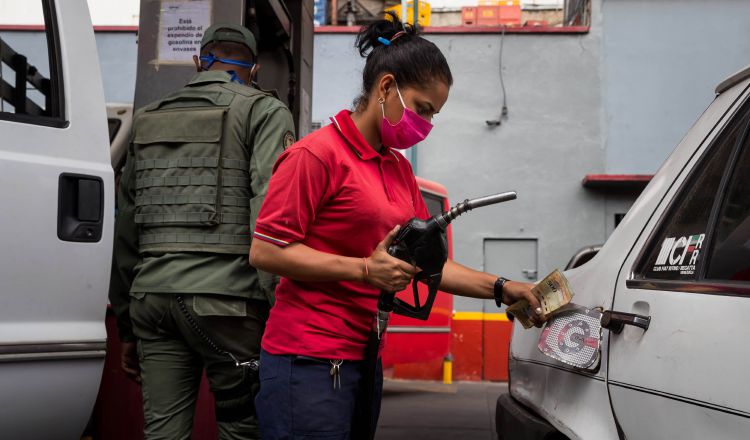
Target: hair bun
{"points": [[412, 60], [369, 35]]}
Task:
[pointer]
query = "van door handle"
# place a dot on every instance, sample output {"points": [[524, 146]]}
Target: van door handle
{"points": [[616, 321], [80, 208]]}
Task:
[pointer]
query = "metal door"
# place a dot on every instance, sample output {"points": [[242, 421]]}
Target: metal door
{"points": [[515, 259], [56, 225]]}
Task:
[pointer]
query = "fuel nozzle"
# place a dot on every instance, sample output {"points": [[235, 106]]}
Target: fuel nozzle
{"points": [[423, 243], [467, 205]]}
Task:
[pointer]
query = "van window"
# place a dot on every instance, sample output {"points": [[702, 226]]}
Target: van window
{"points": [[675, 250], [114, 126], [434, 203], [730, 249], [30, 81]]}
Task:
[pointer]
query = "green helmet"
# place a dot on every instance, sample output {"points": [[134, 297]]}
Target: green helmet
{"points": [[230, 32]]}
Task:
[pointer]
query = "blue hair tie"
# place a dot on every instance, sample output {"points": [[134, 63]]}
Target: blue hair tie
{"points": [[384, 41]]}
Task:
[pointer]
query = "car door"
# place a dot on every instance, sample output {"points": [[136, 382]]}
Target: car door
{"points": [[56, 223], [687, 279]]}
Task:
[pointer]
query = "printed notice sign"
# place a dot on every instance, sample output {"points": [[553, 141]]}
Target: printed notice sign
{"points": [[181, 27]]}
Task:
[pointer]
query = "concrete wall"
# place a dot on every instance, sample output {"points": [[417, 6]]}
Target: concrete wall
{"points": [[661, 61], [550, 140], [118, 56]]}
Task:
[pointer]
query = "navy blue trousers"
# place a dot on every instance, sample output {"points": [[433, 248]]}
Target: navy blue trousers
{"points": [[297, 399]]}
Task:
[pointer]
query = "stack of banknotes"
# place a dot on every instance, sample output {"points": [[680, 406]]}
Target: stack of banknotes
{"points": [[553, 292]]}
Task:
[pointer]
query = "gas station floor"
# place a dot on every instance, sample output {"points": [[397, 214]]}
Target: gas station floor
{"points": [[416, 410]]}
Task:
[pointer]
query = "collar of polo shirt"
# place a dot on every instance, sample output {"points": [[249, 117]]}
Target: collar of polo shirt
{"points": [[349, 131]]}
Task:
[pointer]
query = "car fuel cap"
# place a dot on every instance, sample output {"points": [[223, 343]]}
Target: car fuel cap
{"points": [[573, 337]]}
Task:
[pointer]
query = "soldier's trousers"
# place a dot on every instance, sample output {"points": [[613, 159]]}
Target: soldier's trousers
{"points": [[173, 355]]}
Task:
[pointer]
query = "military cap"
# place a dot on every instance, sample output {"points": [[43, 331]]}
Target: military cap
{"points": [[230, 32]]}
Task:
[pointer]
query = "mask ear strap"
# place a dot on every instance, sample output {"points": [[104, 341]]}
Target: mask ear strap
{"points": [[399, 96], [210, 59], [235, 63]]}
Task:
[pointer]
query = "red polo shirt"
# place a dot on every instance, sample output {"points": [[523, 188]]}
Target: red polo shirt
{"points": [[332, 192]]}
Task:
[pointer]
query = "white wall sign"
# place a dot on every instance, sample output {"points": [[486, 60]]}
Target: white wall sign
{"points": [[181, 27]]}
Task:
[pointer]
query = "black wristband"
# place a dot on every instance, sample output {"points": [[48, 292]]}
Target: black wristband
{"points": [[498, 290]]}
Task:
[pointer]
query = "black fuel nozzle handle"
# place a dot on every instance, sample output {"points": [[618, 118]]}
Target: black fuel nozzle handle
{"points": [[424, 244]]}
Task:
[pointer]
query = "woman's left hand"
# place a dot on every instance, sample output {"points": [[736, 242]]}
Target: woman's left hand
{"points": [[464, 281], [515, 291]]}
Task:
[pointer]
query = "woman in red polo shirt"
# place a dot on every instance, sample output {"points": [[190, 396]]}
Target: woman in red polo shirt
{"points": [[333, 205]]}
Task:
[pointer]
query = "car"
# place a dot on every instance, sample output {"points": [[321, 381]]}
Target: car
{"points": [[671, 292]]}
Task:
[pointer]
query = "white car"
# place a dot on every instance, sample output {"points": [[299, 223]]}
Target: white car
{"points": [[57, 219], [672, 288]]}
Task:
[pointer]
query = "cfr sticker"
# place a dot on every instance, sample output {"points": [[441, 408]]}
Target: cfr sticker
{"points": [[679, 254], [288, 139]]}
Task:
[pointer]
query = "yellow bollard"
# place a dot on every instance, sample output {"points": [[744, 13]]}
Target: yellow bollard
{"points": [[448, 369]]}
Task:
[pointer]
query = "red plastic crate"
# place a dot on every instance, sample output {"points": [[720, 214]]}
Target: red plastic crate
{"points": [[469, 16], [488, 16], [497, 15], [509, 15]]}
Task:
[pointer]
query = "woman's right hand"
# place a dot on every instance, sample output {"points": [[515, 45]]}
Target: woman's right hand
{"points": [[386, 272]]}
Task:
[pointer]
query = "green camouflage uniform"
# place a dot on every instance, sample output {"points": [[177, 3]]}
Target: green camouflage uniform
{"points": [[197, 170]]}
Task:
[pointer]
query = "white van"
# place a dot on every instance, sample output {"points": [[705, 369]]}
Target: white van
{"points": [[672, 285], [57, 217]]}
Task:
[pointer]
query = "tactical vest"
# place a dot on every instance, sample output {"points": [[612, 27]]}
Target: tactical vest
{"points": [[192, 170]]}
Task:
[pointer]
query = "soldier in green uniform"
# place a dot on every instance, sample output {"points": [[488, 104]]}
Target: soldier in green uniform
{"points": [[184, 294]]}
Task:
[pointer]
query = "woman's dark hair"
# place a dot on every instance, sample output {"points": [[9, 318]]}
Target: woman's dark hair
{"points": [[414, 61]]}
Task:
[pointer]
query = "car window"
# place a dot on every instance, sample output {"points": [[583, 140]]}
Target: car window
{"points": [[675, 250], [114, 126], [30, 71], [730, 249], [434, 203]]}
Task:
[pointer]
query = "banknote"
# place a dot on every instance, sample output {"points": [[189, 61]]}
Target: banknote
{"points": [[553, 293], [522, 312]]}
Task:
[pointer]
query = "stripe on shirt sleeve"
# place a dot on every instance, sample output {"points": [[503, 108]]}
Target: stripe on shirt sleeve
{"points": [[268, 238]]}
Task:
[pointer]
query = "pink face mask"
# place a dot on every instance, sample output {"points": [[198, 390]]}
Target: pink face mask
{"points": [[407, 132]]}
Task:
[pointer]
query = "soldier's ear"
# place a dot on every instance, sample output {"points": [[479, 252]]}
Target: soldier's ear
{"points": [[197, 62]]}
